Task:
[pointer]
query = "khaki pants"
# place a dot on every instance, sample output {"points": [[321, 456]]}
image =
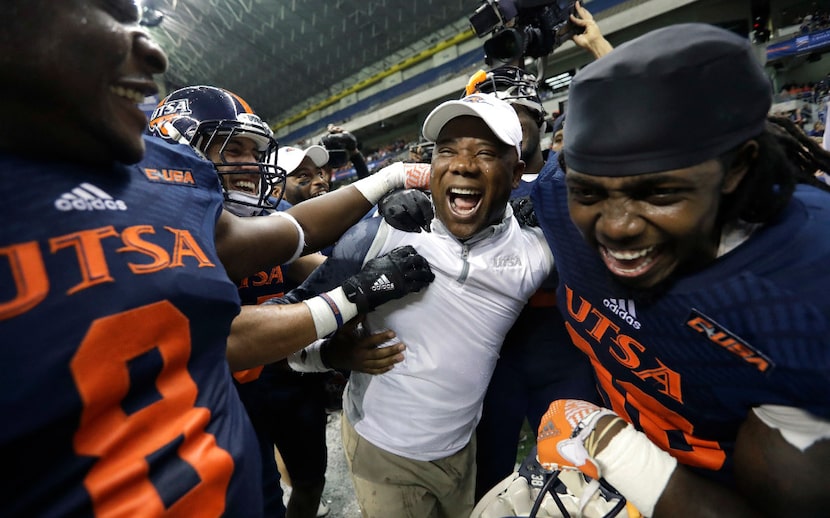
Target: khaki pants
{"points": [[388, 485]]}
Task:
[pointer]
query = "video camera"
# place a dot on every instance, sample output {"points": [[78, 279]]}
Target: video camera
{"points": [[522, 28], [421, 152]]}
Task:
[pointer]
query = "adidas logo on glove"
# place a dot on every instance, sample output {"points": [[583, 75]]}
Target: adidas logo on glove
{"points": [[383, 284]]}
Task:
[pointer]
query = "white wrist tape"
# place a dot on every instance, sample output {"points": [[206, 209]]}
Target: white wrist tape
{"points": [[330, 310], [637, 468], [308, 359], [300, 237], [374, 187]]}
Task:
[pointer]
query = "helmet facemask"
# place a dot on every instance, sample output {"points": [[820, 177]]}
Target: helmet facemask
{"points": [[511, 84], [242, 197], [209, 118]]}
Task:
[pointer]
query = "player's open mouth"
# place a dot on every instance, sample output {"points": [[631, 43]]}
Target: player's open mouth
{"points": [[244, 185], [629, 263], [464, 202], [128, 93]]}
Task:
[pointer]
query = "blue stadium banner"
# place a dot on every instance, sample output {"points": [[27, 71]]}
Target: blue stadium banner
{"points": [[799, 45]]}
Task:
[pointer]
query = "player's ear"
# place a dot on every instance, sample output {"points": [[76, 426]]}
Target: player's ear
{"points": [[518, 171], [742, 160]]}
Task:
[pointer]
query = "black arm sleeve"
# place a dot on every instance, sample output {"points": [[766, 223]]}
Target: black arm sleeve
{"points": [[346, 260], [359, 163]]}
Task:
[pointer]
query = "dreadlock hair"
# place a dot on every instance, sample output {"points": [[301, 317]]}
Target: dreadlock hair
{"points": [[786, 157]]}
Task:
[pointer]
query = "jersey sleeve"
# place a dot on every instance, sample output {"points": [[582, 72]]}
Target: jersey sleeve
{"points": [[346, 260]]}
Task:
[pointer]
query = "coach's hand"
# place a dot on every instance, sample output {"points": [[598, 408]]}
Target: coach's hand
{"points": [[388, 277], [352, 348]]}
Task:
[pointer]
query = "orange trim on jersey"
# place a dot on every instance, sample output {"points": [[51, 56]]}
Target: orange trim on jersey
{"points": [[248, 375], [542, 299]]}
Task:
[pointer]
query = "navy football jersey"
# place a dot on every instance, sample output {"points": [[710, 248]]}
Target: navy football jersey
{"points": [[256, 289], [114, 312], [686, 367], [266, 284]]}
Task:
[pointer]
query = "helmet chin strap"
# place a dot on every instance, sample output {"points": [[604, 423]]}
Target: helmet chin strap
{"points": [[181, 139], [244, 205]]}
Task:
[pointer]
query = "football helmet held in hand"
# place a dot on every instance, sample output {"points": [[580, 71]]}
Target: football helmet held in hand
{"points": [[536, 492]]}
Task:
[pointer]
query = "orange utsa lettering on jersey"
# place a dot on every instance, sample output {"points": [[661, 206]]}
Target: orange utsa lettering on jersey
{"points": [[31, 280], [725, 339], [29, 275], [264, 279], [626, 354], [669, 430], [90, 253], [656, 420], [169, 176], [248, 375], [625, 349], [187, 246], [117, 441], [184, 245], [131, 236], [665, 377]]}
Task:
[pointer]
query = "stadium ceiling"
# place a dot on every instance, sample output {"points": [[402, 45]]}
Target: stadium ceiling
{"points": [[283, 55]]}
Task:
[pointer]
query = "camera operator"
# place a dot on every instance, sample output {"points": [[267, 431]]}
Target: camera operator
{"points": [[520, 31], [421, 152], [589, 37], [538, 362], [342, 148]]}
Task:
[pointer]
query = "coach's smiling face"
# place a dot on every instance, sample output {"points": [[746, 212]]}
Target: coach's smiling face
{"points": [[473, 173]]}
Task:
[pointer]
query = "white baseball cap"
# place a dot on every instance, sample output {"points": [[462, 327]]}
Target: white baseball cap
{"points": [[499, 116], [290, 158]]}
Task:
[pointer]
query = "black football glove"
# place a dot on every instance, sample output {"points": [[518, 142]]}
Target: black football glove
{"points": [[388, 277], [342, 140], [523, 211], [409, 210]]}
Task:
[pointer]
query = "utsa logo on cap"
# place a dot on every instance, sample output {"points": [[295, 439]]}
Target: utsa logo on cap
{"points": [[499, 116], [476, 98]]}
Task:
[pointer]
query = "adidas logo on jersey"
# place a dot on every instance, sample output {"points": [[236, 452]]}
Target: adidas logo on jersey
{"points": [[624, 308], [383, 284], [88, 197]]}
